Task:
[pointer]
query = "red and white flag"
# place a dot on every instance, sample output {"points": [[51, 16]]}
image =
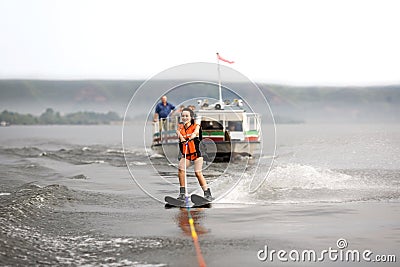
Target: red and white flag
{"points": [[224, 60]]}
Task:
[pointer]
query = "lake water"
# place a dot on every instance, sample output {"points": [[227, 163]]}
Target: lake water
{"points": [[73, 195]]}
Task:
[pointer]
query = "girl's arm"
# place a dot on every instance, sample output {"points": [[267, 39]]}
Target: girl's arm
{"points": [[181, 138], [196, 132]]}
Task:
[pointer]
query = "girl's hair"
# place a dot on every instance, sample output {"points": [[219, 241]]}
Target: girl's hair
{"points": [[191, 114]]}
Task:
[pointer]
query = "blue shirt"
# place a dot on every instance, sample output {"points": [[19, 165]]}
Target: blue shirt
{"points": [[164, 111]]}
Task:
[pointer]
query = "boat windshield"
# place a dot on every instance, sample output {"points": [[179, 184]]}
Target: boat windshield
{"points": [[211, 125], [235, 126]]}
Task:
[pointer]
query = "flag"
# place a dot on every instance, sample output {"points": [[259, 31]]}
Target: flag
{"points": [[225, 60]]}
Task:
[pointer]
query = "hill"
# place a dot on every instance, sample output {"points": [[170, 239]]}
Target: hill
{"points": [[290, 103]]}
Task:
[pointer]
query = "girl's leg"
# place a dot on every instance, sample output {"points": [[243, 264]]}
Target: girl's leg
{"points": [[181, 171], [181, 176], [198, 165]]}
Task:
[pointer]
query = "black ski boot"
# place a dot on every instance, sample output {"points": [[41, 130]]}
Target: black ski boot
{"points": [[182, 192], [207, 195]]}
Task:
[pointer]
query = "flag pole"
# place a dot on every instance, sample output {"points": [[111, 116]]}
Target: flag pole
{"points": [[219, 80]]}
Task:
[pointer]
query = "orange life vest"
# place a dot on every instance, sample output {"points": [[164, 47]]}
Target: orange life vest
{"points": [[191, 148]]}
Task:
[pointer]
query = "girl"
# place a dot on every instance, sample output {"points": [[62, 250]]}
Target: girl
{"points": [[188, 134]]}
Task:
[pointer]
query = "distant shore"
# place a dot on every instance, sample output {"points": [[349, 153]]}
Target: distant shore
{"points": [[50, 117]]}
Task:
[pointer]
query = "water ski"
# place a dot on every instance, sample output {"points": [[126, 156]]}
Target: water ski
{"points": [[200, 201], [174, 202]]}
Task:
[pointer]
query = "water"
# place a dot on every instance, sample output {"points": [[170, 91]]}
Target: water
{"points": [[67, 197]]}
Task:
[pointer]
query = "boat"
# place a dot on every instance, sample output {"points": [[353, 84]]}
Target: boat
{"points": [[228, 131]]}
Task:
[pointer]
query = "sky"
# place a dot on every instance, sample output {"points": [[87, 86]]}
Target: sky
{"points": [[294, 42]]}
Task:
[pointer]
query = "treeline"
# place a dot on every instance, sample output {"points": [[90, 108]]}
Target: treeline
{"points": [[52, 117], [118, 91]]}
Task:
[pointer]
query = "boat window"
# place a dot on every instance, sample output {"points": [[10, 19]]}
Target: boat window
{"points": [[211, 125], [235, 126], [254, 123]]}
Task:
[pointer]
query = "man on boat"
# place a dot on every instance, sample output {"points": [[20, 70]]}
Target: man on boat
{"points": [[163, 110]]}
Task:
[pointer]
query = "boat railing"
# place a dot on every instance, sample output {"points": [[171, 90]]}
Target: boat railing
{"points": [[254, 121], [164, 129]]}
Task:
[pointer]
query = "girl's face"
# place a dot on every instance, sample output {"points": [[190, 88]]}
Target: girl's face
{"points": [[185, 116]]}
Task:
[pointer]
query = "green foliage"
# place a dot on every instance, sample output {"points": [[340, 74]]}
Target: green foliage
{"points": [[15, 118], [51, 117]]}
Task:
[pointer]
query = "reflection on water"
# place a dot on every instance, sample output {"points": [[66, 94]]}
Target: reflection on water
{"points": [[198, 215]]}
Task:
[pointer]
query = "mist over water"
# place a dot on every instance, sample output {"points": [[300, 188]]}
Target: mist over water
{"points": [[290, 104]]}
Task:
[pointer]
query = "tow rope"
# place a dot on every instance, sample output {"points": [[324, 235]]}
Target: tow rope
{"points": [[195, 238]]}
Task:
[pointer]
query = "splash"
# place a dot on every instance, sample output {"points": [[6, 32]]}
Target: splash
{"points": [[296, 183]]}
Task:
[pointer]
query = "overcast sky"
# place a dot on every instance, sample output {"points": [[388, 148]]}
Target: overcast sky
{"points": [[296, 42]]}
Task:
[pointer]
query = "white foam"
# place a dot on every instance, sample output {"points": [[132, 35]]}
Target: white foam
{"points": [[295, 183], [156, 156], [306, 177], [95, 162], [138, 163], [297, 176]]}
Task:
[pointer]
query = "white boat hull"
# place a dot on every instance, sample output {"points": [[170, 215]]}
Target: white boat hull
{"points": [[221, 151]]}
